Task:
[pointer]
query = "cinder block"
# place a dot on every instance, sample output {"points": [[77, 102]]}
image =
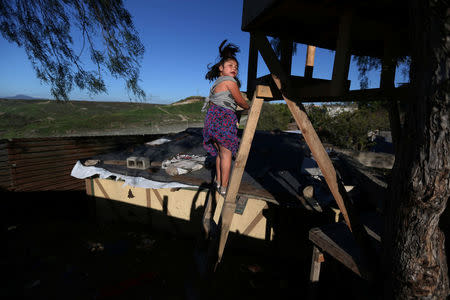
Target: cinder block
{"points": [[141, 163]]}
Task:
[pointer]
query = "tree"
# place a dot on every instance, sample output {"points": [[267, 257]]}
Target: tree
{"points": [[44, 28], [414, 259]]}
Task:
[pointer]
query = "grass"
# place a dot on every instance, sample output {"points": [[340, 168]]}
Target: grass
{"points": [[43, 118]]}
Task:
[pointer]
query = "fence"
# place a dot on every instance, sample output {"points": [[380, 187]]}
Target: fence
{"points": [[44, 164]]}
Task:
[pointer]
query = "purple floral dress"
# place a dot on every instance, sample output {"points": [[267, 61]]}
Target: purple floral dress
{"points": [[220, 126]]}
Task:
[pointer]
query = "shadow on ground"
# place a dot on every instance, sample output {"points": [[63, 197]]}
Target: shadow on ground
{"points": [[55, 248]]}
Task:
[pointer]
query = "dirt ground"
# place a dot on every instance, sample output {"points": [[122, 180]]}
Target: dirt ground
{"points": [[55, 248]]}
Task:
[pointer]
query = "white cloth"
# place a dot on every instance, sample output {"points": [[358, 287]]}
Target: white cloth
{"points": [[183, 163], [81, 172]]}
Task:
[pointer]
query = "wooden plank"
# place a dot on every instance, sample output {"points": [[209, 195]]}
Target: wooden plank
{"points": [[148, 197], [252, 67], [337, 240], [316, 261], [309, 64], [269, 57], [255, 221], [102, 189], [342, 56], [89, 186], [300, 88], [286, 54], [246, 190], [342, 247], [387, 83], [229, 205]]}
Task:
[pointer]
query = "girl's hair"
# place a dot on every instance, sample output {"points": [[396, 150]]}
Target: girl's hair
{"points": [[226, 53]]}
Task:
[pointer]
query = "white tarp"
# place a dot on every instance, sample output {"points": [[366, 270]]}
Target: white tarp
{"points": [[81, 172]]}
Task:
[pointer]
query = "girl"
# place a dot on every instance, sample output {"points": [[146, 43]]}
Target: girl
{"points": [[220, 128]]}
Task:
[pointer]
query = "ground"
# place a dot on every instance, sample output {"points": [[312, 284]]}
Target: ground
{"points": [[56, 249]]}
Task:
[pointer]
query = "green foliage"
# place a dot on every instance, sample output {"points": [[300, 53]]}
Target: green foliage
{"points": [[274, 116], [348, 129], [44, 29], [39, 118]]}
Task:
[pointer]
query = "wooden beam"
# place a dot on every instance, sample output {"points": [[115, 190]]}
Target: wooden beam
{"points": [[387, 84], [300, 88], [269, 57], [315, 90], [316, 261], [309, 64], [286, 55], [229, 205], [252, 67], [342, 56]]}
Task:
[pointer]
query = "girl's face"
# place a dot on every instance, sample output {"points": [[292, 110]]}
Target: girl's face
{"points": [[229, 68]]}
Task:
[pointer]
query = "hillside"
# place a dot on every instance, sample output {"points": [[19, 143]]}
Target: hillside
{"points": [[40, 118], [188, 100]]}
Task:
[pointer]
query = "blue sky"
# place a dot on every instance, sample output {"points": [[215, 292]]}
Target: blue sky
{"points": [[181, 38]]}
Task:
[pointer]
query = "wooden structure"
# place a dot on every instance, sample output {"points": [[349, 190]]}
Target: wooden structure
{"points": [[363, 28], [164, 207]]}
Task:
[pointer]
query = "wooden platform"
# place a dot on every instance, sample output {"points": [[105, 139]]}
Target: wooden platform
{"points": [[317, 22], [180, 204]]}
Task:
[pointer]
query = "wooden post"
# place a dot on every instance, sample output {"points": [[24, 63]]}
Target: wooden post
{"points": [[316, 261], [252, 66], [229, 204], [286, 55], [309, 65], [387, 83], [342, 56]]}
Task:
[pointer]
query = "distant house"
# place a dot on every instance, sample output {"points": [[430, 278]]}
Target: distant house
{"points": [[335, 109]]}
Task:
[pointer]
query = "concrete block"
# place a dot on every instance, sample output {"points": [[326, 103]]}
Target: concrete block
{"points": [[135, 162]]}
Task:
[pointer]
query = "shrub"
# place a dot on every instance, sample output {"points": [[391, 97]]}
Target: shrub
{"points": [[348, 129], [274, 116]]}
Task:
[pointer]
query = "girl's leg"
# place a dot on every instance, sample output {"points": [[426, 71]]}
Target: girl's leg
{"points": [[225, 165], [218, 173]]}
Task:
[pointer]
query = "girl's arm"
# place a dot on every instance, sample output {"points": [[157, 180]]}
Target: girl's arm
{"points": [[234, 90]]}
